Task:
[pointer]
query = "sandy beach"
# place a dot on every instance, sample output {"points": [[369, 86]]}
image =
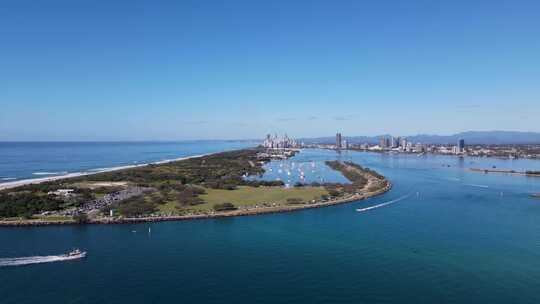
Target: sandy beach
{"points": [[18, 183]]}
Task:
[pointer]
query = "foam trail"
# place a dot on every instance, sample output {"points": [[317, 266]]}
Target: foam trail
{"points": [[4, 262], [384, 204]]}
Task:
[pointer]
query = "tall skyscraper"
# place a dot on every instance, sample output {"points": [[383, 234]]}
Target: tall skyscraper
{"points": [[382, 143], [403, 143], [461, 145], [338, 140], [274, 142], [394, 142]]}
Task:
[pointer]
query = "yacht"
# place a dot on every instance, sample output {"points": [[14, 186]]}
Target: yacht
{"points": [[75, 254]]}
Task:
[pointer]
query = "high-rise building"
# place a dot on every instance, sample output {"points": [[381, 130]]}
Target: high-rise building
{"points": [[403, 143], [382, 143], [274, 142], [461, 145], [338, 140], [394, 142]]}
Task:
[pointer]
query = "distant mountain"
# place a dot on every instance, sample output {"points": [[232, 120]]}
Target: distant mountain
{"points": [[470, 137]]}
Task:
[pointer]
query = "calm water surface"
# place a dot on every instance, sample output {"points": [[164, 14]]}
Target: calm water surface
{"points": [[461, 237]]}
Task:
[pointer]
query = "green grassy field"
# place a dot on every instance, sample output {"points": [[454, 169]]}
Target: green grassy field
{"points": [[249, 196]]}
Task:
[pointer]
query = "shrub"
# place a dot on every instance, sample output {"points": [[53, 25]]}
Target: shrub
{"points": [[295, 200], [334, 192], [136, 206], [224, 207]]}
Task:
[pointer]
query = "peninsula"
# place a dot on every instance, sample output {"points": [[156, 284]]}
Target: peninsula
{"points": [[209, 186]]}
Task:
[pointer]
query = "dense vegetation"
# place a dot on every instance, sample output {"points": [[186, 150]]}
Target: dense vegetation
{"points": [[224, 207], [224, 170], [356, 174], [135, 206], [174, 181], [26, 204], [33, 199], [365, 170]]}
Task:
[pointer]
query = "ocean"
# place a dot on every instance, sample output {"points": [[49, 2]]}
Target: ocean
{"points": [[26, 160], [449, 235]]}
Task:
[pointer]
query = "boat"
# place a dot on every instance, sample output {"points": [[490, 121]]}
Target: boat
{"points": [[535, 195], [75, 254]]}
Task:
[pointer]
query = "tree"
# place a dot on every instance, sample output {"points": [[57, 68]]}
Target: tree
{"points": [[224, 207], [136, 206], [333, 192]]}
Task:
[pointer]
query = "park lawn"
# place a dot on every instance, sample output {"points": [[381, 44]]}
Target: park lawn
{"points": [[53, 218], [248, 196]]}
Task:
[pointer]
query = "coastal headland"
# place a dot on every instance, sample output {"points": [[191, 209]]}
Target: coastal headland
{"points": [[208, 186]]}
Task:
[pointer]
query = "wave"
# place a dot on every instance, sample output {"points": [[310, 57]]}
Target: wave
{"points": [[476, 185], [50, 173], [8, 178], [385, 204], [99, 169], [5, 262]]}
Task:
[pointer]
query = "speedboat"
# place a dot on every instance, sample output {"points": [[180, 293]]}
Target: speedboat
{"points": [[75, 254]]}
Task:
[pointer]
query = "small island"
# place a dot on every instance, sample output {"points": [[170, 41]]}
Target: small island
{"points": [[209, 186]]}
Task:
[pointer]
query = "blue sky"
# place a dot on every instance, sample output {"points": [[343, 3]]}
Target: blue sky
{"points": [[171, 70]]}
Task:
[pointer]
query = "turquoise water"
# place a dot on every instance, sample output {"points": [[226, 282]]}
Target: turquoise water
{"points": [[464, 238]]}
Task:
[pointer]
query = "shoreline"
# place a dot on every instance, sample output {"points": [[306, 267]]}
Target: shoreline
{"points": [[31, 181], [235, 213]]}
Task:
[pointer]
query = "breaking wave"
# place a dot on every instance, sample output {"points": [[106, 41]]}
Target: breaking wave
{"points": [[50, 173], [477, 186]]}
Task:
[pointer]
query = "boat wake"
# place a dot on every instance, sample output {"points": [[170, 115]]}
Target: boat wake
{"points": [[5, 262], [385, 204]]}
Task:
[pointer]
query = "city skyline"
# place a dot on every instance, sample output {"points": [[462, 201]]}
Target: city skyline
{"points": [[190, 70]]}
